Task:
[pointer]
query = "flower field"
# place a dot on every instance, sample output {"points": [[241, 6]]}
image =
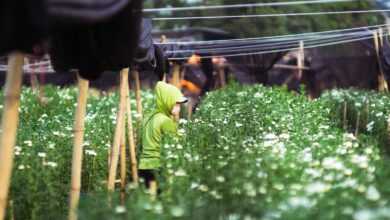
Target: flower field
{"points": [[250, 152]]}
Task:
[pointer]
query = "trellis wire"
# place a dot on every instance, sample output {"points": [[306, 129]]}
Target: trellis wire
{"points": [[249, 5], [271, 15], [281, 50]]}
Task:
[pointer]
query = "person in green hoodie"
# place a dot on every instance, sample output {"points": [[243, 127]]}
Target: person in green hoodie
{"points": [[161, 122]]}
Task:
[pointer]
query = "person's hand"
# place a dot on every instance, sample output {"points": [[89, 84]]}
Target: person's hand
{"points": [[176, 111]]}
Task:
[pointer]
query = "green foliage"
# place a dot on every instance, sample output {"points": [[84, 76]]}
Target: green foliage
{"points": [[249, 153], [369, 110], [41, 177], [262, 153]]}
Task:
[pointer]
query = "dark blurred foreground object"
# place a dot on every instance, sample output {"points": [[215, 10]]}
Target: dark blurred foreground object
{"points": [[84, 11], [149, 57], [89, 35], [24, 23], [145, 53], [95, 48]]}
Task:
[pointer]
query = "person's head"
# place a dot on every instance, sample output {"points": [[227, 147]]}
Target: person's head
{"points": [[168, 98]]}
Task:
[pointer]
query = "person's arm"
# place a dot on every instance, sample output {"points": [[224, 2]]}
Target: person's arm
{"points": [[169, 127]]}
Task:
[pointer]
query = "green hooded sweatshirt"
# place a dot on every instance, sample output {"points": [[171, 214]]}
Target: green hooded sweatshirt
{"points": [[158, 124]]}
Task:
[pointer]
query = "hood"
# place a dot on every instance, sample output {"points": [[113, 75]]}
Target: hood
{"points": [[166, 97]]}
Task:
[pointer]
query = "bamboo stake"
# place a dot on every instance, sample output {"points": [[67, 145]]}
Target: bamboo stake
{"points": [[118, 132], [164, 79], [189, 108], [123, 158], [9, 125], [163, 39], [345, 125], [380, 31], [388, 130], [222, 78], [357, 124], [367, 109], [138, 94], [176, 75], [301, 60], [131, 139], [78, 140], [153, 189], [382, 84], [11, 210]]}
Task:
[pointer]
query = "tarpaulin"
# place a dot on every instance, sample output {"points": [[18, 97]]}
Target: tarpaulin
{"points": [[145, 54], [385, 58], [253, 68]]}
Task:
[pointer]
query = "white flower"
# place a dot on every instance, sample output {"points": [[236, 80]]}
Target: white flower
{"points": [[332, 163], [300, 202], [317, 187], [183, 121], [270, 136], [56, 133], [238, 125], [120, 209], [51, 146], [364, 214], [51, 164], [370, 126], [21, 167], [17, 148], [216, 194], [42, 154], [28, 143], [258, 95], [379, 114], [372, 193], [360, 160], [177, 211], [180, 172], [179, 146], [158, 208], [194, 185], [181, 132], [90, 152], [220, 179], [349, 136], [250, 189], [203, 188], [284, 136]]}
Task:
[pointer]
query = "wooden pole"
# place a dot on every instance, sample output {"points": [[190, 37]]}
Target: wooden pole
{"points": [[123, 158], [367, 110], [131, 139], [9, 125], [138, 94], [345, 125], [153, 189], [11, 210], [357, 124], [189, 109], [78, 140], [222, 78], [382, 84], [176, 75], [118, 132], [164, 79], [301, 60], [380, 31]]}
